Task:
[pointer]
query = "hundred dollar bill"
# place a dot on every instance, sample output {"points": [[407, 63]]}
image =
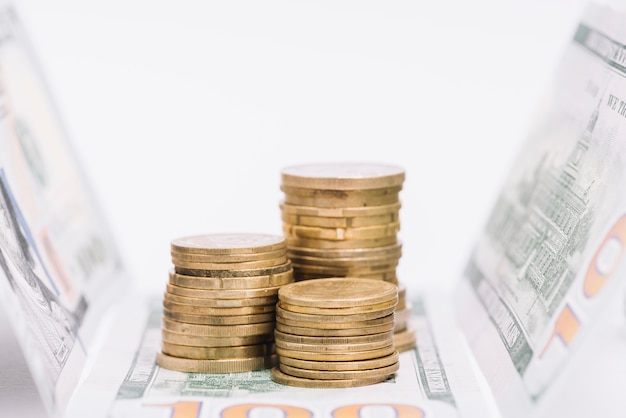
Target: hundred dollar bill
{"points": [[57, 256], [435, 380], [551, 254]]}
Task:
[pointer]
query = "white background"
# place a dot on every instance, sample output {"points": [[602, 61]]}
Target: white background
{"points": [[184, 112]]}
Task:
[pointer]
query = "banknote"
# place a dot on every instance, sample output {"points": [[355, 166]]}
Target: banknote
{"points": [[434, 379], [552, 249], [57, 256]]}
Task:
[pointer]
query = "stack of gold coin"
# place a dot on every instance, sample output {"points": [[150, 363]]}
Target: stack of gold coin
{"points": [[342, 219], [220, 302], [335, 332]]}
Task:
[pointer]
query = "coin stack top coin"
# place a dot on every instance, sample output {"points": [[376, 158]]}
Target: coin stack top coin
{"points": [[335, 332], [219, 305]]}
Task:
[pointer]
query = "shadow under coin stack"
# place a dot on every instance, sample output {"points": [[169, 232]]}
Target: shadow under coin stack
{"points": [[220, 302], [342, 220], [335, 332]]}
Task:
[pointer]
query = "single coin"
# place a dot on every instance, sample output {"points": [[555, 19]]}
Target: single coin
{"points": [[219, 303], [340, 222], [389, 319], [352, 310], [355, 272], [340, 317], [290, 209], [341, 234], [339, 194], [231, 283], [197, 341], [234, 272], [405, 340], [347, 356], [393, 250], [223, 294], [285, 379], [247, 265], [228, 258], [333, 348], [217, 353], [338, 292], [220, 320], [370, 364], [243, 330], [347, 263], [341, 244], [384, 276], [347, 332], [350, 202], [343, 176], [381, 372], [234, 243], [216, 366], [218, 311], [357, 339]]}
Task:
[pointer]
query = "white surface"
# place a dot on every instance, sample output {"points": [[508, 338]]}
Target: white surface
{"points": [[184, 113]]}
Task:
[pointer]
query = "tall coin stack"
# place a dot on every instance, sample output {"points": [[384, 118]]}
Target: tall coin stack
{"points": [[342, 220], [219, 305], [335, 332]]}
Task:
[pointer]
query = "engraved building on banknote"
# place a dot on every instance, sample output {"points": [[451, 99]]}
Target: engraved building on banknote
{"points": [[545, 225]]}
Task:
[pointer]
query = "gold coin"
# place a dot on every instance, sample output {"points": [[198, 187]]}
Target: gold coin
{"points": [[228, 258], [339, 317], [218, 311], [218, 303], [231, 283], [316, 332], [218, 330], [340, 222], [314, 310], [332, 348], [347, 263], [341, 244], [384, 276], [263, 292], [338, 292], [341, 234], [381, 372], [198, 341], [391, 251], [220, 320], [361, 211], [285, 379], [215, 366], [405, 340], [234, 272], [236, 243], [343, 176], [347, 356], [339, 194], [379, 272], [389, 319], [357, 339], [341, 365], [217, 353], [347, 202], [272, 262]]}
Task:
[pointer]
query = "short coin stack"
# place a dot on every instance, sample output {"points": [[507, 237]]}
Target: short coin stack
{"points": [[219, 305], [342, 219], [335, 332], [404, 335]]}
